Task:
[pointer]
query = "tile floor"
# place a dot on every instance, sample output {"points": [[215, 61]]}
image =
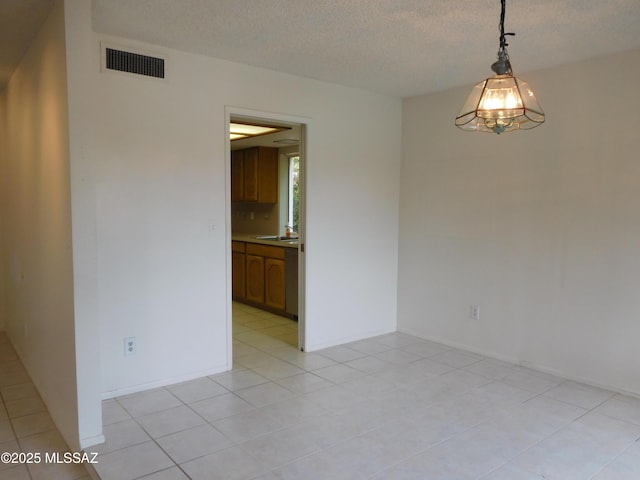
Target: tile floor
{"points": [[390, 407], [25, 424]]}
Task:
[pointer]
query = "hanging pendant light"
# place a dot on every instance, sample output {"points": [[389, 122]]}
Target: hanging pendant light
{"points": [[501, 103]]}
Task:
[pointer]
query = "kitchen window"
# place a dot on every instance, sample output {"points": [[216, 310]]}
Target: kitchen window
{"points": [[293, 216]]}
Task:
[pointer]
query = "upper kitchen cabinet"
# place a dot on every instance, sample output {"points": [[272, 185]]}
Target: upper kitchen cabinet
{"points": [[254, 175]]}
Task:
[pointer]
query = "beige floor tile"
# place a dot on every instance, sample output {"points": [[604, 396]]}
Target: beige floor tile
{"points": [[150, 401], [390, 407], [222, 406], [193, 443], [236, 380], [264, 394], [173, 473], [133, 462], [6, 431], [170, 421], [579, 394], [235, 462], [196, 390], [32, 424], [24, 406], [16, 392], [17, 472], [113, 412], [121, 435], [11, 447]]}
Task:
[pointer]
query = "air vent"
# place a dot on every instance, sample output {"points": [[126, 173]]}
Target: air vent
{"points": [[134, 63]]}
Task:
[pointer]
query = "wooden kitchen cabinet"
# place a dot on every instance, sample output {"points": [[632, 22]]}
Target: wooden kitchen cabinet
{"points": [[254, 175], [255, 278], [237, 176], [263, 275], [274, 291], [238, 270]]}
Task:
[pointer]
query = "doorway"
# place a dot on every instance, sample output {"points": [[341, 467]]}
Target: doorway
{"points": [[266, 212]]}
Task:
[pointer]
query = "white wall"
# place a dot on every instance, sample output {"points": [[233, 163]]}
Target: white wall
{"points": [[80, 68], [36, 214], [3, 146], [154, 167], [539, 228]]}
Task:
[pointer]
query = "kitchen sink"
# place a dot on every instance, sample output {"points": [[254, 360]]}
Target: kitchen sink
{"points": [[266, 237], [275, 238]]}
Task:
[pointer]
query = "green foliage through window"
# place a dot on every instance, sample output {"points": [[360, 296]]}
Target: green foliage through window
{"points": [[294, 192]]}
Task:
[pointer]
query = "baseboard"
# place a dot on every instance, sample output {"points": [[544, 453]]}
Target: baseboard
{"points": [[163, 382], [89, 442], [344, 340], [521, 363]]}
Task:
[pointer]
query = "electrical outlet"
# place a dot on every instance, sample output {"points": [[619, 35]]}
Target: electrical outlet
{"points": [[130, 346], [474, 312]]}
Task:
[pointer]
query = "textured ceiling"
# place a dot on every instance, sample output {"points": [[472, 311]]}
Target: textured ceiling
{"points": [[396, 47]]}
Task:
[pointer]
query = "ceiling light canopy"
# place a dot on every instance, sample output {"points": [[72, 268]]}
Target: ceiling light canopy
{"points": [[501, 103]]}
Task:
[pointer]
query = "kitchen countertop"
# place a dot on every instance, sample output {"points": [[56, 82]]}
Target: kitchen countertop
{"points": [[251, 238]]}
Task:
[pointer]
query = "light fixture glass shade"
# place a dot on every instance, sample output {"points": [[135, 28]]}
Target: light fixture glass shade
{"points": [[501, 103]]}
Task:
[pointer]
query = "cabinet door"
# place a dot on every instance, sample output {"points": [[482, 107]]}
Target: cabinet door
{"points": [[268, 175], [238, 277], [250, 174], [255, 278], [237, 176], [274, 283]]}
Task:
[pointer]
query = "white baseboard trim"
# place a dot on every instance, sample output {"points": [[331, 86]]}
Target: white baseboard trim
{"points": [[524, 364], [163, 382], [88, 442], [342, 341]]}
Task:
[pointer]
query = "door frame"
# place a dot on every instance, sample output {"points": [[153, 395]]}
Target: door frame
{"points": [[304, 123]]}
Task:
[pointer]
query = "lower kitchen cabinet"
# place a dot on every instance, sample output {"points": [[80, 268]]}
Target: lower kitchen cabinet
{"points": [[259, 275], [274, 283], [238, 270], [255, 278]]}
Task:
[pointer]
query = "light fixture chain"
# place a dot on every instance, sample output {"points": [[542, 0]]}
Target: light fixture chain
{"points": [[503, 64]]}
